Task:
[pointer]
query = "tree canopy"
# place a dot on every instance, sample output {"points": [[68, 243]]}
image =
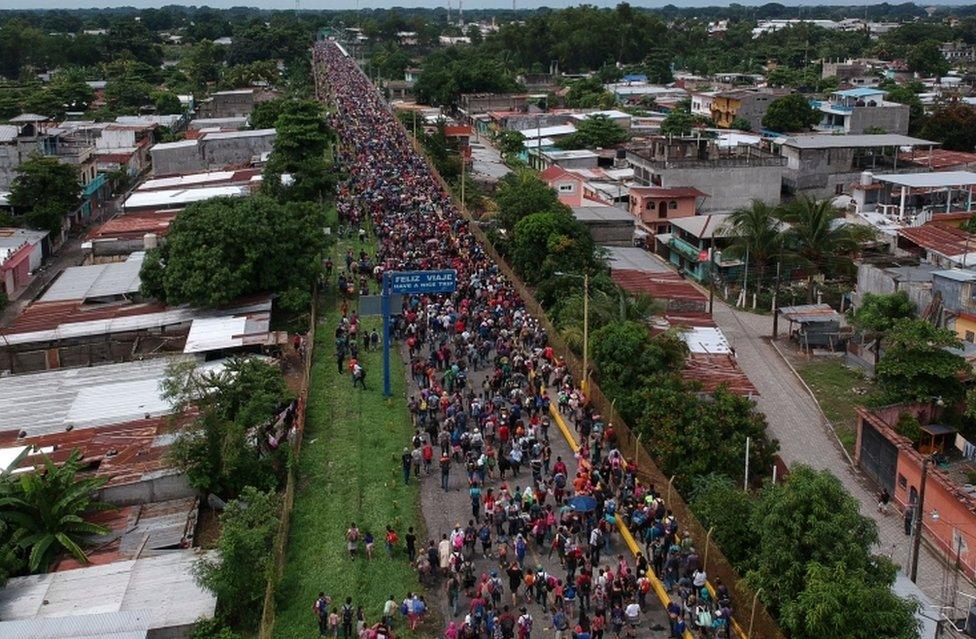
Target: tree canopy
{"points": [[45, 190], [544, 243], [223, 248], [790, 113], [916, 365], [596, 131], [522, 193], [952, 124]]}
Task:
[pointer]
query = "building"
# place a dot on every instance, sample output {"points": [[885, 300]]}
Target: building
{"points": [[895, 463], [856, 72], [749, 105], [958, 52], [214, 150], [654, 207], [638, 91], [824, 166], [21, 253], [861, 110], [227, 104], [666, 286], [914, 198], [701, 103], [178, 199], [956, 289], [942, 245], [694, 246], [732, 176], [908, 275], [127, 234], [155, 596], [606, 224]]}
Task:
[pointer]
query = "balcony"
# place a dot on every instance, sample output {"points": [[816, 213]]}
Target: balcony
{"points": [[92, 187], [689, 251]]}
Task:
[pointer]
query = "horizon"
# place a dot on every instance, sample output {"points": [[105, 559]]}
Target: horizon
{"points": [[345, 5]]}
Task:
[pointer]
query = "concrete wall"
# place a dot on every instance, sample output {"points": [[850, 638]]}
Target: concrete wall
{"points": [[611, 233], [11, 156], [176, 160], [728, 188], [237, 151], [162, 485], [891, 118], [871, 279]]}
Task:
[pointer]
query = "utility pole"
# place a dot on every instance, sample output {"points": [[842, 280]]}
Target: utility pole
{"points": [[776, 302], [919, 515], [711, 279], [745, 480], [586, 331], [463, 162]]}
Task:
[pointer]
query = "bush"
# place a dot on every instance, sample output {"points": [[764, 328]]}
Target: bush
{"points": [[239, 574], [909, 427]]}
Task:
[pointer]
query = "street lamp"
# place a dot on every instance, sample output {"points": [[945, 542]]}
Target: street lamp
{"points": [[586, 325]]}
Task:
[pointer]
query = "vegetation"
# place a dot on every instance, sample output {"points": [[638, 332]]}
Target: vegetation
{"points": [[952, 124], [224, 450], [522, 193], [838, 389], [790, 113], [597, 131], [45, 190], [239, 574], [223, 248], [878, 313], [43, 514], [299, 152], [916, 365], [806, 545]]}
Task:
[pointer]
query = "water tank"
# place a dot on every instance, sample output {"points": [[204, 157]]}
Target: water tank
{"points": [[150, 241], [867, 178]]}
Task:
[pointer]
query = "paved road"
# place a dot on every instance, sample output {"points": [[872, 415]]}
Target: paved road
{"points": [[442, 511], [794, 418]]}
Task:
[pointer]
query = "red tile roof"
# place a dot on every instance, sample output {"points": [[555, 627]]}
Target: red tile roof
{"points": [[134, 226], [711, 371], [556, 172], [940, 237]]}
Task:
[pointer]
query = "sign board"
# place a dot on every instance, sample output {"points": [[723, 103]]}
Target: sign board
{"points": [[417, 282]]}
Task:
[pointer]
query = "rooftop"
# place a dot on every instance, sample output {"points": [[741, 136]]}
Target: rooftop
{"points": [[929, 180], [668, 192], [704, 226], [632, 258], [804, 313], [714, 370], [15, 237], [706, 340], [229, 135], [860, 92], [179, 198], [162, 587], [597, 213], [944, 239], [205, 178], [957, 275], [77, 398], [938, 159], [662, 285], [97, 281], [852, 141], [134, 226]]}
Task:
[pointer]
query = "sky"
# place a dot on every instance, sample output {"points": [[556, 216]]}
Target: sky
{"points": [[352, 4]]}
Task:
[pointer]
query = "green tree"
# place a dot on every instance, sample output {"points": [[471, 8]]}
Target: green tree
{"points": [[221, 249], [692, 438], [916, 365], [544, 243], [522, 193], [596, 131], [299, 151], [838, 601], [587, 93], [239, 574], [809, 519], [877, 315], [168, 103], [820, 241], [741, 124], [265, 114], [720, 503], [952, 124], [510, 142], [905, 94], [909, 426], [926, 59], [790, 113], [756, 237], [202, 63], [216, 450], [45, 190], [47, 511], [678, 122]]}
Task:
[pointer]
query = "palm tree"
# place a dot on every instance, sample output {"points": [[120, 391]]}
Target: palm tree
{"points": [[47, 509], [756, 236], [820, 240]]}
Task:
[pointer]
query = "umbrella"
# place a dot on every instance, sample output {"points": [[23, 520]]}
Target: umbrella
{"points": [[583, 503]]}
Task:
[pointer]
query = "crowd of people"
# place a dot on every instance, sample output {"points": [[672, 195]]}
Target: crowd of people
{"points": [[485, 376]]}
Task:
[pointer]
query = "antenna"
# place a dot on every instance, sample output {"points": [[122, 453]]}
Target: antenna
{"points": [[461, 13], [449, 11]]}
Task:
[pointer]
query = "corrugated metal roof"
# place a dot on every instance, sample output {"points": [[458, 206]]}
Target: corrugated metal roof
{"points": [[131, 624], [97, 281], [706, 340], [177, 198], [228, 135], [48, 402], [827, 141], [712, 371], [810, 313], [163, 587]]}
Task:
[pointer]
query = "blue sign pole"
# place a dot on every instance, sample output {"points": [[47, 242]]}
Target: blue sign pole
{"points": [[387, 390]]}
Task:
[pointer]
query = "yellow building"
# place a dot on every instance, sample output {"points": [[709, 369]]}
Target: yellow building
{"points": [[966, 327]]}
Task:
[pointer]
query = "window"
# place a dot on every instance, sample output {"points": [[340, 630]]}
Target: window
{"points": [[672, 205], [565, 188], [650, 205], [839, 189], [662, 212], [902, 482], [970, 337]]}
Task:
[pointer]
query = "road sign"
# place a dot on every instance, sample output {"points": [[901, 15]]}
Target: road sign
{"points": [[417, 282], [396, 283]]}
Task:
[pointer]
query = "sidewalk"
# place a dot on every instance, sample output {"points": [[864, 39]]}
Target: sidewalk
{"points": [[794, 419]]}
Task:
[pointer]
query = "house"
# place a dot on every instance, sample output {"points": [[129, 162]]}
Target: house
{"points": [[694, 246], [637, 91], [127, 234], [568, 186], [226, 104], [958, 52], [856, 72], [749, 105], [915, 198], [701, 103], [861, 110], [21, 253], [824, 166], [896, 274], [943, 245], [656, 206], [956, 288], [895, 463], [732, 176]]}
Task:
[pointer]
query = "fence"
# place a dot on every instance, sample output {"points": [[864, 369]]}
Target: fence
{"points": [[288, 498], [744, 600]]}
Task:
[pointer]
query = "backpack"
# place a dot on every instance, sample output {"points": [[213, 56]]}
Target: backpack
{"points": [[346, 613]]}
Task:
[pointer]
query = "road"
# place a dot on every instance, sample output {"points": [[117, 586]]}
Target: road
{"points": [[794, 418]]}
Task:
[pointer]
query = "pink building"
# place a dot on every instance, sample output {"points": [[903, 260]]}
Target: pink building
{"points": [[655, 206], [568, 186]]}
